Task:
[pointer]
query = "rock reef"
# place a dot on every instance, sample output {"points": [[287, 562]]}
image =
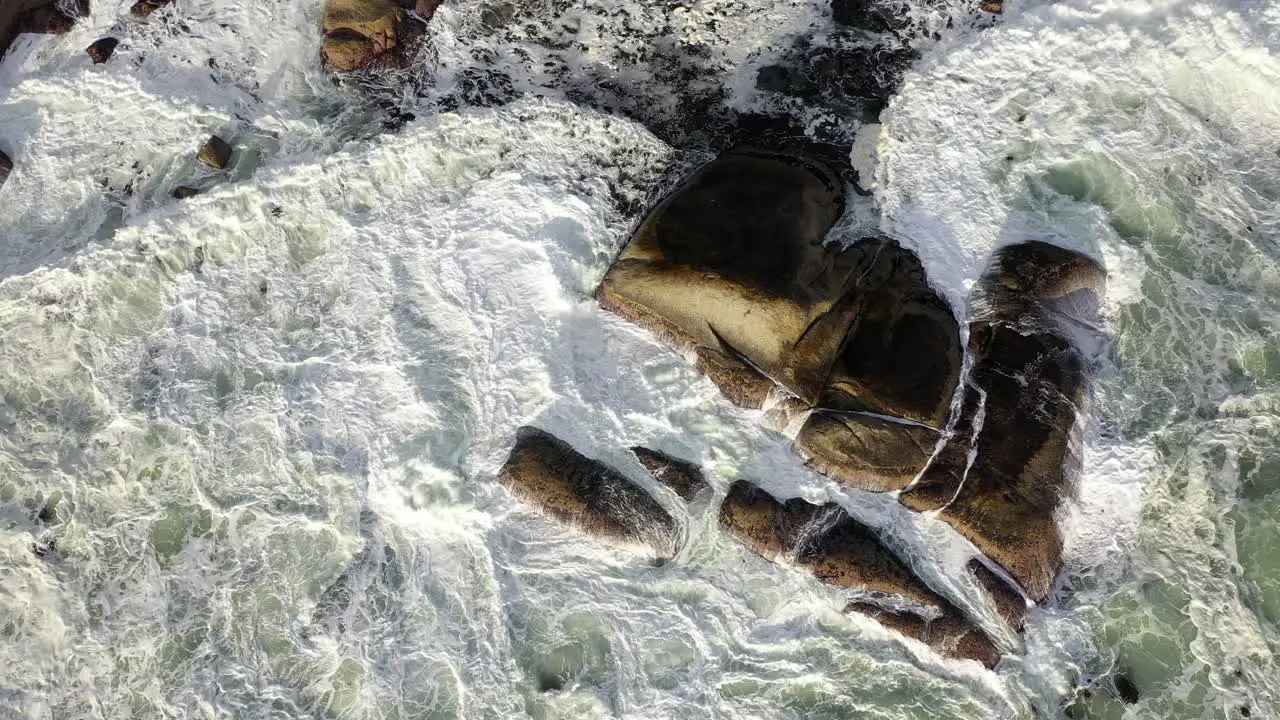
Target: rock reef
{"points": [[853, 345]]}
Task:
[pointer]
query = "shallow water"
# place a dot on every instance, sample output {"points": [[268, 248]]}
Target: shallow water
{"points": [[262, 425]]}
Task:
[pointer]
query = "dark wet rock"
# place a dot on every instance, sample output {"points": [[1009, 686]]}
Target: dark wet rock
{"points": [[585, 494], [868, 15], [215, 153], [37, 16], [902, 355], [1125, 688], [6, 167], [1009, 602], [995, 7], [684, 478], [182, 192], [101, 50], [1031, 342], [843, 71], [840, 551], [144, 8], [731, 267], [371, 33]]}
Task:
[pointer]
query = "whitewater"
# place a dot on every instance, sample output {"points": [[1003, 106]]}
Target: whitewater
{"points": [[249, 440]]}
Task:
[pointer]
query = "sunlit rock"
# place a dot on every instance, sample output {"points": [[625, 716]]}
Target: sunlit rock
{"points": [[731, 268], [865, 451], [37, 16], [585, 494], [215, 153], [685, 479], [364, 33], [840, 551], [1032, 341]]}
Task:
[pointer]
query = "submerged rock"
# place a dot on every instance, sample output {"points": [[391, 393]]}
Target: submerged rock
{"points": [[37, 16], [6, 167], [840, 551], [101, 50], [1031, 341], [215, 153], [731, 267], [586, 494], [682, 477], [182, 192]]}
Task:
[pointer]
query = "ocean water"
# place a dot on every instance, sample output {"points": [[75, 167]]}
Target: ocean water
{"points": [[248, 441]]}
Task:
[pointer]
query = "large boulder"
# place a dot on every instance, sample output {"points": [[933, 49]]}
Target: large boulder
{"points": [[586, 495], [838, 550], [1031, 340], [890, 387], [37, 16], [731, 268], [371, 33]]}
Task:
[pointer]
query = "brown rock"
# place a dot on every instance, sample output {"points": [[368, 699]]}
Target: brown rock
{"points": [[840, 551], [182, 192], [949, 634], [732, 262], [864, 451], [1009, 602], [144, 8], [682, 477], [901, 359], [101, 50], [1031, 377], [362, 33], [992, 6], [215, 153], [37, 16], [585, 494], [6, 167], [902, 355]]}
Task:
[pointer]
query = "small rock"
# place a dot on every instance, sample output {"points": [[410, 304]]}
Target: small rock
{"points": [[992, 6], [101, 50], [6, 167], [182, 192], [216, 153], [144, 8]]}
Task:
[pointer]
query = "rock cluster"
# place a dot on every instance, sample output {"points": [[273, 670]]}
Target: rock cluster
{"points": [[851, 346]]}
